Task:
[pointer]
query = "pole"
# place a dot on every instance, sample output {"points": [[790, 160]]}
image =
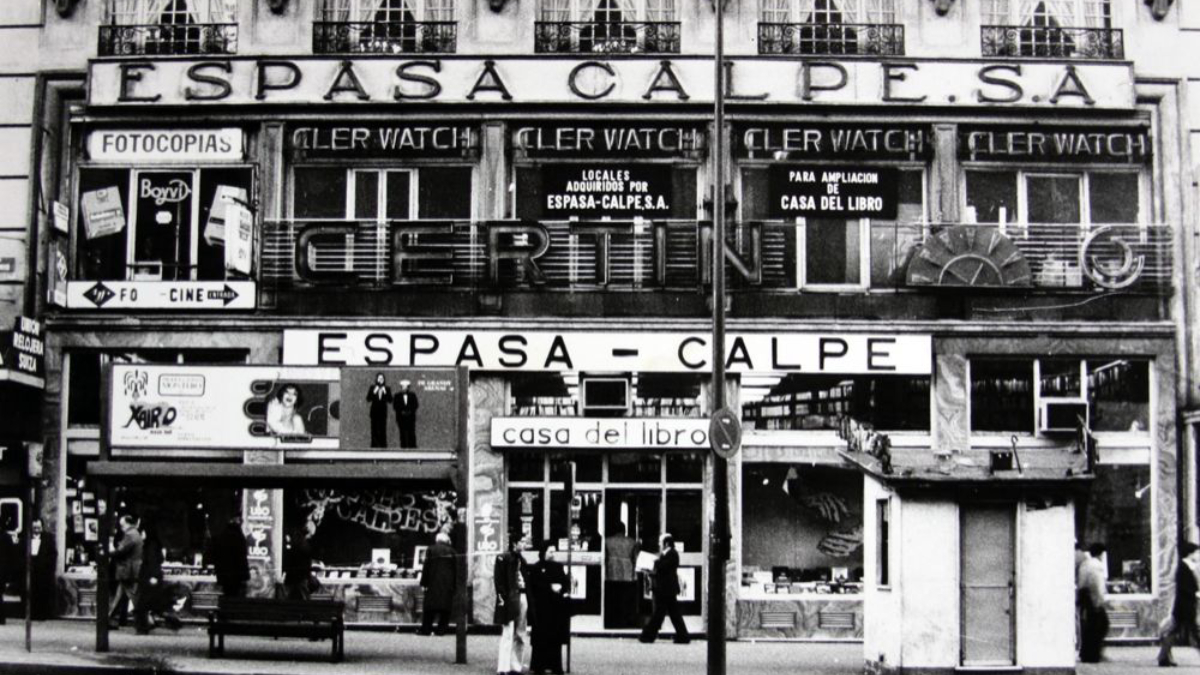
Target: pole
{"points": [[27, 527], [462, 597], [719, 534]]}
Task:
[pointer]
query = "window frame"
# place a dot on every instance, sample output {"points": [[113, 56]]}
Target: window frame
{"points": [[1083, 173]]}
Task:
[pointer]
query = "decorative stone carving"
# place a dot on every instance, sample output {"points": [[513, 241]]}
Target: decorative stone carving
{"points": [[969, 255]]}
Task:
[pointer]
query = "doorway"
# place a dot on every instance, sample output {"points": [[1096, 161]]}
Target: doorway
{"points": [[633, 524], [987, 551]]}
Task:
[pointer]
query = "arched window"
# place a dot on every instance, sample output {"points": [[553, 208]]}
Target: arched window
{"points": [[830, 27], [385, 26], [168, 27], [608, 26], [1050, 29]]}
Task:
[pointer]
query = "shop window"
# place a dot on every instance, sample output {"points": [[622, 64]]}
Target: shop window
{"points": [[1116, 391], [829, 27], [894, 242], [377, 532], [834, 253], [589, 468], [635, 467], [380, 194], [168, 27], [526, 465], [683, 522], [883, 549], [1050, 29], [820, 402], [156, 225], [385, 27], [607, 26], [1116, 512], [685, 467], [1048, 215], [527, 513], [802, 530]]}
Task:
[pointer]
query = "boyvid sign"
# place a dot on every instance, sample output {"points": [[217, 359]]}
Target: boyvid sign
{"points": [[813, 191]]}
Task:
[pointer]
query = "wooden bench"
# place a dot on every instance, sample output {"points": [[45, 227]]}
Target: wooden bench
{"points": [[313, 619]]}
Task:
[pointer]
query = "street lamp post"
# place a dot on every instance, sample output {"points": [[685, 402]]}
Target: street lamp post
{"points": [[719, 532]]}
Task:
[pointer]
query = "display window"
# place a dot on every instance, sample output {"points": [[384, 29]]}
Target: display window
{"points": [[802, 530], [157, 224], [638, 395], [1019, 395], [368, 533], [831, 253], [381, 194], [1117, 512], [821, 402], [624, 502]]}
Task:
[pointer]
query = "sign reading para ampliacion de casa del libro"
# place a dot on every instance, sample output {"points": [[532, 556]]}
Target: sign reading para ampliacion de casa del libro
{"points": [[814, 191]]}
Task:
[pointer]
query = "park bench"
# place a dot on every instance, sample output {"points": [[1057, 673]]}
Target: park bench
{"points": [[313, 619]]}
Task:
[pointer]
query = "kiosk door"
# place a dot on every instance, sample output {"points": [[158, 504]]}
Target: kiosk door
{"points": [[987, 549]]}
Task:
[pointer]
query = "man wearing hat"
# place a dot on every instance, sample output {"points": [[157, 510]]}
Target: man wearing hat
{"points": [[404, 402]]}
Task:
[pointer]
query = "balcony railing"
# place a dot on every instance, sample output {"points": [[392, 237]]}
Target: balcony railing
{"points": [[667, 254], [881, 39], [618, 37], [168, 39], [1053, 42], [385, 37], [565, 406]]}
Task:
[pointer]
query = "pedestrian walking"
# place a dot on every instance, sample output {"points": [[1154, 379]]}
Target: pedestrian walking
{"points": [[511, 606], [230, 557], [549, 613], [1092, 596], [379, 396], [44, 559], [1180, 627], [439, 578], [155, 601], [298, 577], [127, 566], [666, 594]]}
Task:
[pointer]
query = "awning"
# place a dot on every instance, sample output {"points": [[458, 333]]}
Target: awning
{"points": [[434, 473]]}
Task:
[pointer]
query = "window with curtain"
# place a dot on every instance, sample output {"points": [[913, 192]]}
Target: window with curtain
{"points": [[620, 26], [153, 27], [1050, 28], [385, 26], [830, 27]]}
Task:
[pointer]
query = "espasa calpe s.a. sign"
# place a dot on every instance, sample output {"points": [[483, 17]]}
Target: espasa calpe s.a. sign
{"points": [[825, 191]]}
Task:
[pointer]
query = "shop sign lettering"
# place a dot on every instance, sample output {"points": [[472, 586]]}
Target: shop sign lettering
{"points": [[1052, 143], [609, 140], [191, 295], [592, 191], [370, 141], [605, 351], [23, 350], [813, 191], [833, 141], [750, 80], [599, 434], [383, 510], [154, 146]]}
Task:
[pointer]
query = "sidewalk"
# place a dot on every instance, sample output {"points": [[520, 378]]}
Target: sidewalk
{"points": [[68, 647]]}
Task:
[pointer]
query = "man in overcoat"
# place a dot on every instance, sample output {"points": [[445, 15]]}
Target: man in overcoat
{"points": [[439, 578]]}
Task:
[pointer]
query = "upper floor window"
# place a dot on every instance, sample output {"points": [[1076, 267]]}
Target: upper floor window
{"points": [[385, 27], [1051, 29], [830, 27], [157, 27], [608, 26]]}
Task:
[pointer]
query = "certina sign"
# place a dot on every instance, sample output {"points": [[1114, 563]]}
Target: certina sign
{"points": [[149, 146], [522, 350], [241, 81]]}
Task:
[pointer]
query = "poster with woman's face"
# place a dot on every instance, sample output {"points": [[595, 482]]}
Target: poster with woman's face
{"points": [[399, 409], [295, 409]]}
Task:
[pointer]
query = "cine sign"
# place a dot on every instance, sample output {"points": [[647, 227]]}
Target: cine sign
{"points": [[599, 434], [812, 191]]}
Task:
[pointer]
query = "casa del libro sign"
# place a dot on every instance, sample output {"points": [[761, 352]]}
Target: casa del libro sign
{"points": [[681, 79]]}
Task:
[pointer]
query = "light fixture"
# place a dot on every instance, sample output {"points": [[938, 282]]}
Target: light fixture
{"points": [[65, 8], [1159, 8], [277, 6], [942, 7], [1141, 492]]}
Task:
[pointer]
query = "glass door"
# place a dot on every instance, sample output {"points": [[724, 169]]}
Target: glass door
{"points": [[633, 521]]}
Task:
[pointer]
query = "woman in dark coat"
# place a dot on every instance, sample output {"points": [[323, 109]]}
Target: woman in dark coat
{"points": [[1181, 627], [439, 578], [298, 562], [230, 559], [549, 611], [379, 396], [45, 590]]}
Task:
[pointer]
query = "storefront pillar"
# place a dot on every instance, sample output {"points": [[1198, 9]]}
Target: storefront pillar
{"points": [[952, 425], [487, 538], [262, 521]]}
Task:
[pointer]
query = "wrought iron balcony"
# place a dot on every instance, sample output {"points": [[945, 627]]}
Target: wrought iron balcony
{"points": [[168, 39], [867, 39], [385, 37], [618, 37], [1053, 42]]}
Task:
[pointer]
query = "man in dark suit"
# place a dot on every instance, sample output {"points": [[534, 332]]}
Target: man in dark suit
{"points": [[1181, 627], [666, 592], [404, 402], [439, 578], [512, 606]]}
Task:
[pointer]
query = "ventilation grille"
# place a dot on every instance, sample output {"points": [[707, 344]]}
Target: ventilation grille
{"points": [[374, 603], [836, 620], [777, 620]]}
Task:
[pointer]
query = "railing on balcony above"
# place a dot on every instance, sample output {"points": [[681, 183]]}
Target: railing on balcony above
{"points": [[168, 39], [1053, 42], [385, 37], [606, 37], [566, 406], [882, 39], [643, 255]]}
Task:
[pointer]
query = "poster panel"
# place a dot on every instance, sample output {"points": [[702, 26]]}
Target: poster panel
{"points": [[399, 408]]}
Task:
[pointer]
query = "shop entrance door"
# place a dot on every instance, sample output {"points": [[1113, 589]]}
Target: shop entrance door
{"points": [[633, 522], [987, 550]]}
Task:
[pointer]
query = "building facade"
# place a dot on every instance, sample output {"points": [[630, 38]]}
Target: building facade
{"points": [[961, 224]]}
